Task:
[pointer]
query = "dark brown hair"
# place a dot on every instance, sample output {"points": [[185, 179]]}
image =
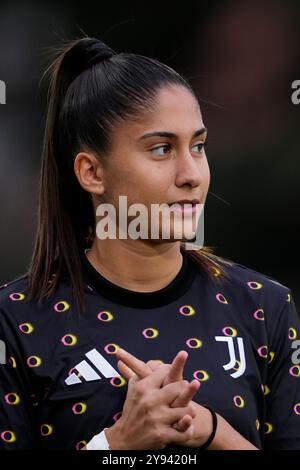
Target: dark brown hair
{"points": [[91, 90]]}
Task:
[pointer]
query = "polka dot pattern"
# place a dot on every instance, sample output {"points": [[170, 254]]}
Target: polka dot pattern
{"points": [[237, 336]]}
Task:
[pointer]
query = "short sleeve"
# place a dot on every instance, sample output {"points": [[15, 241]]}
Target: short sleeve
{"points": [[16, 406], [282, 391]]}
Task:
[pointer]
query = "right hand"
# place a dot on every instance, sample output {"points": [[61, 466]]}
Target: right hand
{"points": [[147, 417], [129, 365]]}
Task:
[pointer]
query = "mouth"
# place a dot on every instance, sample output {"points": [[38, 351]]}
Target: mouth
{"points": [[186, 201], [185, 206]]}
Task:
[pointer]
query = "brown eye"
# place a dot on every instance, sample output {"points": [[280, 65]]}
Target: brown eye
{"points": [[166, 146]]}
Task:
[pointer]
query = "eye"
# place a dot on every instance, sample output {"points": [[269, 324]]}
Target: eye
{"points": [[166, 146], [201, 146]]}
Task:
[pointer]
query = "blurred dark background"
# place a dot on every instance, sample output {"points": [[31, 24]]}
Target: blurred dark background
{"points": [[241, 57]]}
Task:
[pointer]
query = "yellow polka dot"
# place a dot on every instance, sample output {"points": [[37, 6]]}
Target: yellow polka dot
{"points": [[268, 428], [271, 356], [61, 306], [201, 375], [34, 361], [26, 328], [12, 398], [8, 436], [12, 361], [221, 298], [292, 333], [69, 340], [46, 430], [16, 296], [239, 401], [118, 381], [150, 333], [187, 310]]}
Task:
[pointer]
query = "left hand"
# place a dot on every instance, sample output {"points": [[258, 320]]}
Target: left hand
{"points": [[130, 365]]}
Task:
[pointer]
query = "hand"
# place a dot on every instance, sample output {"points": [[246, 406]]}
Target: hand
{"points": [[129, 365], [136, 366], [147, 417]]}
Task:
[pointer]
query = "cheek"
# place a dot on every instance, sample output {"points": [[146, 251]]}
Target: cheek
{"points": [[154, 186], [143, 183], [205, 172]]}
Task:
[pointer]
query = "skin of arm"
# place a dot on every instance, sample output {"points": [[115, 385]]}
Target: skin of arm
{"points": [[226, 436]]}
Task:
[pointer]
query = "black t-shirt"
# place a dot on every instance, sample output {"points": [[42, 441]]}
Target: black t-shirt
{"points": [[60, 385]]}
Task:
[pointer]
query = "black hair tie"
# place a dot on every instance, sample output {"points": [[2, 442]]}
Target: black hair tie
{"points": [[214, 429], [84, 54]]}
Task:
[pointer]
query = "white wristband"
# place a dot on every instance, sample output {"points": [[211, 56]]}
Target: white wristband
{"points": [[98, 442]]}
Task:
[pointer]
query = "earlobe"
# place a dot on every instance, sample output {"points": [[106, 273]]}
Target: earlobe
{"points": [[89, 173]]}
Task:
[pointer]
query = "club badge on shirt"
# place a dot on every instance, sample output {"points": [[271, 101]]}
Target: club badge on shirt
{"points": [[238, 364]]}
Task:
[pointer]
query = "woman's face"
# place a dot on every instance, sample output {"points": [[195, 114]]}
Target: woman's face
{"points": [[160, 169]]}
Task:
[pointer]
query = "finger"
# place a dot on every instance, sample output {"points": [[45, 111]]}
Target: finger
{"points": [[125, 371], [153, 364], [172, 391], [177, 437], [177, 366], [175, 415], [157, 377], [142, 370], [183, 423], [187, 394], [136, 365], [132, 381]]}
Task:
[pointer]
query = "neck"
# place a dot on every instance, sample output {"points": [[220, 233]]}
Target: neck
{"points": [[135, 264]]}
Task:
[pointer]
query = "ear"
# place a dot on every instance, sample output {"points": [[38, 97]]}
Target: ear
{"points": [[89, 172]]}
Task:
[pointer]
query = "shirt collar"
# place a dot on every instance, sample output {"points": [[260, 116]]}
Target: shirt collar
{"points": [[145, 300]]}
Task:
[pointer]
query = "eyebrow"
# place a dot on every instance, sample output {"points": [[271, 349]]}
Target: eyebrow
{"points": [[171, 134]]}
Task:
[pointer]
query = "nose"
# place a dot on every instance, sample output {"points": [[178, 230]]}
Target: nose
{"points": [[189, 169]]}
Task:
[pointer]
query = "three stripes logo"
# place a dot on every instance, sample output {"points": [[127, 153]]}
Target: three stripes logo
{"points": [[88, 373], [232, 357]]}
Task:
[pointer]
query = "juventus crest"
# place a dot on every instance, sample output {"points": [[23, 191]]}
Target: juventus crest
{"points": [[233, 359]]}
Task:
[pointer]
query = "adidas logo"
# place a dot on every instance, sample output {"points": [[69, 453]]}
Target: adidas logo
{"points": [[88, 373]]}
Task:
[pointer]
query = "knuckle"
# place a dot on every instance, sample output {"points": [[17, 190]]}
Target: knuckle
{"points": [[140, 389], [185, 385], [159, 436], [190, 410], [149, 402], [164, 367], [154, 364]]}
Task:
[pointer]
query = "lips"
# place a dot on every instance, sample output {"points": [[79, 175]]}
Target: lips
{"points": [[185, 207], [185, 201]]}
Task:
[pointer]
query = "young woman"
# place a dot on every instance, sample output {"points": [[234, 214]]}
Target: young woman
{"points": [[209, 342]]}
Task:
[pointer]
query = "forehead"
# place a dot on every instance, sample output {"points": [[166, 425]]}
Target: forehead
{"points": [[175, 110]]}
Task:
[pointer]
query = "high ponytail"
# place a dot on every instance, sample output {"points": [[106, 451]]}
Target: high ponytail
{"points": [[65, 212], [91, 90]]}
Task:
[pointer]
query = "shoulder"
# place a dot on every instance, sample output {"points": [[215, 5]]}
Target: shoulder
{"points": [[13, 291], [249, 287], [12, 296], [16, 306], [250, 295], [254, 280]]}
